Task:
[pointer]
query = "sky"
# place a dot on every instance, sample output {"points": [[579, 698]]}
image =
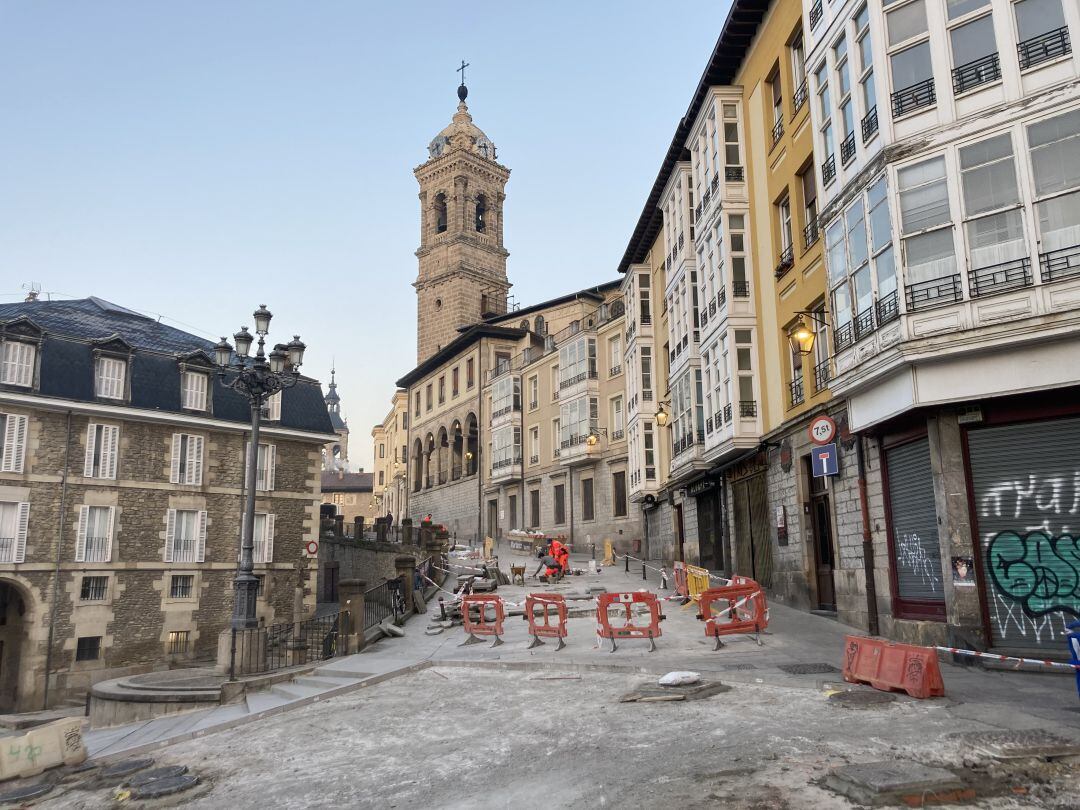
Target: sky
{"points": [[195, 159]]}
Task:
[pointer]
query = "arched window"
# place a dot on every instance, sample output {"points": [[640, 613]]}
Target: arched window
{"points": [[539, 325], [440, 212], [481, 213]]}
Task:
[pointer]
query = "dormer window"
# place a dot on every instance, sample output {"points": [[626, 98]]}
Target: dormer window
{"points": [[17, 363], [273, 407], [110, 378], [193, 390]]}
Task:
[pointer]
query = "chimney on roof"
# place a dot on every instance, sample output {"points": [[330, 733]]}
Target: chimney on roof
{"points": [[31, 295]]}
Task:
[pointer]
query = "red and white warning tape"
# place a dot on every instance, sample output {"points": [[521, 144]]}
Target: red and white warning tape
{"points": [[995, 657]]}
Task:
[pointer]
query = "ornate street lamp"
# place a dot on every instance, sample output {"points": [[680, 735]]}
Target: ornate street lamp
{"points": [[800, 336], [257, 378], [593, 438], [661, 415]]}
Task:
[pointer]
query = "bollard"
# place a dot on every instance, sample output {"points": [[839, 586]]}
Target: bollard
{"points": [[644, 576], [627, 558], [663, 579], [339, 526], [351, 595], [358, 527], [1074, 649]]}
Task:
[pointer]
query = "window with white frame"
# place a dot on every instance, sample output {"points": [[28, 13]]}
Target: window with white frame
{"points": [[273, 407], [926, 227], [994, 219], [1055, 168], [577, 361], [732, 150], [745, 366], [974, 52], [102, 449], [810, 212], [822, 372], [109, 377], [825, 128], [797, 52], [534, 444], [556, 438], [682, 410], [262, 537], [185, 536], [577, 419], [1041, 31], [615, 354], [777, 93], [909, 57], [17, 363], [505, 396], [555, 382], [881, 246], [13, 428], [14, 520], [643, 299], [844, 100], [617, 417], [864, 49], [505, 446], [784, 215], [93, 541], [534, 392], [736, 255], [648, 443], [265, 467], [194, 390], [961, 8], [646, 373], [187, 459]]}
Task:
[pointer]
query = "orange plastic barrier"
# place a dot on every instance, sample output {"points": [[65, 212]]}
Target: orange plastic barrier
{"points": [[892, 667], [745, 610], [681, 586], [474, 616], [540, 609], [628, 630]]}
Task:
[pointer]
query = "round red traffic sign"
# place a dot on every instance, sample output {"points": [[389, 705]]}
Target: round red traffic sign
{"points": [[312, 548], [822, 429]]}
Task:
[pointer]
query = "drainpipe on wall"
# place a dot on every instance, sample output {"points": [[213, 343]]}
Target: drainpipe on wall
{"points": [[570, 497], [56, 570], [867, 542]]}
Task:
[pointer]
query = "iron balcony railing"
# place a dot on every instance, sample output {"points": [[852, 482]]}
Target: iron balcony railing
{"points": [[733, 174], [888, 308], [616, 435], [847, 148], [1060, 263], [869, 124], [981, 71], [646, 395], [795, 391], [727, 413], [913, 98], [288, 644], [799, 99], [748, 408], [502, 463], [573, 441], [715, 184], [708, 425], [615, 370], [712, 307], [934, 293], [697, 211], [721, 297], [585, 375], [740, 289], [777, 131], [815, 14], [843, 336], [650, 473], [787, 261], [1000, 277], [381, 603], [864, 323], [828, 169], [1044, 47], [504, 411], [822, 374], [810, 234]]}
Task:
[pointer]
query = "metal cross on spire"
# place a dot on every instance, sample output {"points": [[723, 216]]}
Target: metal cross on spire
{"points": [[461, 70]]}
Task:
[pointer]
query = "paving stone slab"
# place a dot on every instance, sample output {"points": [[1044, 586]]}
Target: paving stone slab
{"points": [[154, 774], [16, 796], [862, 700], [885, 782], [165, 787], [1020, 744], [125, 767]]}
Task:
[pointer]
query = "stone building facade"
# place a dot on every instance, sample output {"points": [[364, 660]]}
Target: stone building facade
{"points": [[390, 444], [121, 489]]}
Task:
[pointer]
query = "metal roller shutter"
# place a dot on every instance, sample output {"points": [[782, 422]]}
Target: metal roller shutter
{"points": [[916, 549], [1025, 479]]}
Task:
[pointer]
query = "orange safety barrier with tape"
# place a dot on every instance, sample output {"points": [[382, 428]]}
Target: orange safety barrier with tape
{"points": [[540, 609], [892, 667], [625, 602], [474, 616], [745, 610], [681, 587]]}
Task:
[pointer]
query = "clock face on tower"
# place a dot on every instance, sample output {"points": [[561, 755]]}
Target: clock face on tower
{"points": [[438, 146], [485, 148]]}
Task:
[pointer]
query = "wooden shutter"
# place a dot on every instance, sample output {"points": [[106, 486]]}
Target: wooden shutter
{"points": [[200, 537], [268, 546], [91, 441], [22, 521], [24, 371], [170, 534], [110, 444], [174, 468], [109, 534], [80, 536], [14, 443], [194, 460], [271, 463]]}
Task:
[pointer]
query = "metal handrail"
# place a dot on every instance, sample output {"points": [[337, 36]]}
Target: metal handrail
{"points": [[1044, 47], [979, 71], [921, 94]]}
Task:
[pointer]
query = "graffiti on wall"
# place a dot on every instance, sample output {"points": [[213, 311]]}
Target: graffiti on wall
{"points": [[912, 555], [1032, 556]]}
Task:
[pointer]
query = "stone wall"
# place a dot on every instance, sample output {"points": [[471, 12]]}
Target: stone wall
{"points": [[368, 560], [455, 505]]}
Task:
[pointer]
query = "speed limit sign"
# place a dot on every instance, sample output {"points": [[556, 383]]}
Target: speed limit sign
{"points": [[312, 548], [822, 430]]}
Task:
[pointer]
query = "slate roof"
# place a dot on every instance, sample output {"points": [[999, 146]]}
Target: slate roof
{"points": [[70, 329], [332, 481]]}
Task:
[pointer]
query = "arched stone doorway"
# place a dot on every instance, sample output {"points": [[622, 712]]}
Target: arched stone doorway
{"points": [[13, 637]]}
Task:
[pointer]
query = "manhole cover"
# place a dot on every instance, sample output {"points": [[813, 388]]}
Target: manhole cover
{"points": [[125, 768], [164, 787], [881, 782], [733, 667], [861, 700], [21, 794], [1020, 744], [157, 773], [807, 669]]}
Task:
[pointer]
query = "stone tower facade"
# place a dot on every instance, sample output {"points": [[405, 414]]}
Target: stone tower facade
{"points": [[462, 274]]}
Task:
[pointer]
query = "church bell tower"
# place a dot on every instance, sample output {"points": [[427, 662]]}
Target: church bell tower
{"points": [[462, 275]]}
